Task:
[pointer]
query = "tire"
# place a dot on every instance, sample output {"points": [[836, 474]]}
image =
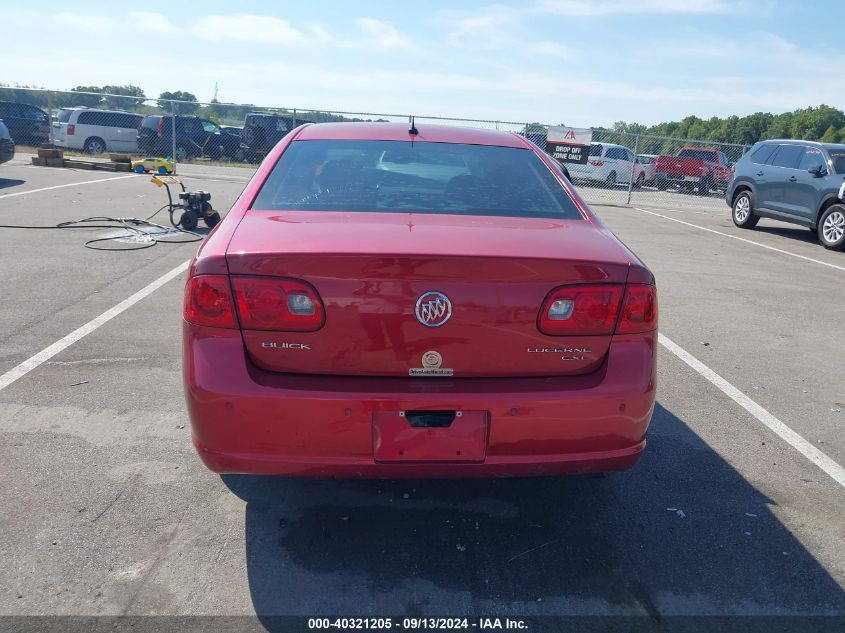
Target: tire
{"points": [[705, 185], [139, 169], [94, 145], [640, 181], [212, 220], [610, 181], [662, 184], [188, 221], [831, 229], [162, 170], [742, 211], [181, 153]]}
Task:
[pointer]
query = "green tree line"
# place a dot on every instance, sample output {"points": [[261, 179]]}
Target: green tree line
{"points": [[821, 123]]}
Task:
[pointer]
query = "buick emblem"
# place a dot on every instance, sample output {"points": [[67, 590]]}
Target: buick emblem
{"points": [[433, 309]]}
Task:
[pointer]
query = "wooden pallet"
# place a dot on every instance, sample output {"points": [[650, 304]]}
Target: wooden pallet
{"points": [[49, 156]]}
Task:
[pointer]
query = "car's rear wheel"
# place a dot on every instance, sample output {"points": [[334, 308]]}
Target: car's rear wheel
{"points": [[705, 185], [181, 153], [139, 169], [640, 181], [662, 184], [742, 212], [94, 145], [162, 170], [611, 180], [831, 229]]}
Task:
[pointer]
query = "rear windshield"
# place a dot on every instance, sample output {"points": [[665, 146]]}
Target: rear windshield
{"points": [[64, 115], [418, 177], [698, 154]]}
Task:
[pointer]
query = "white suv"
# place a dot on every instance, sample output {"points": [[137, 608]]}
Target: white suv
{"points": [[96, 131], [608, 164]]}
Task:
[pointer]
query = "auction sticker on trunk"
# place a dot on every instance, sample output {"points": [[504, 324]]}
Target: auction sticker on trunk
{"points": [[569, 144], [431, 366]]}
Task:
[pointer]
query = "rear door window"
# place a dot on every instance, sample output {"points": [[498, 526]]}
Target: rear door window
{"points": [[763, 154], [596, 149], [788, 156], [414, 177]]}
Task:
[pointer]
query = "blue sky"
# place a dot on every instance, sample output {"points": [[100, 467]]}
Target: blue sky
{"points": [[576, 62]]}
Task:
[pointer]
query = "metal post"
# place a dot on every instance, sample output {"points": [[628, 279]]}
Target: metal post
{"points": [[50, 115], [294, 117], [173, 133], [633, 167]]}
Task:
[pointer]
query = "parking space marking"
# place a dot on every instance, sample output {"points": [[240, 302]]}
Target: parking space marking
{"points": [[796, 441], [70, 184], [63, 343], [742, 239]]}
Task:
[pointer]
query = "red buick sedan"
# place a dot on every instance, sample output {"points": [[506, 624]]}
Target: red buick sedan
{"points": [[426, 302]]}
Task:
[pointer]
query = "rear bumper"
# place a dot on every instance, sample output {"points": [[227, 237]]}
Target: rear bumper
{"points": [[7, 151], [246, 420], [678, 178]]}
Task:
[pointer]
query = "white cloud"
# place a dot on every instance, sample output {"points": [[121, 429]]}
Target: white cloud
{"points": [[246, 27], [615, 7], [88, 23], [552, 49], [151, 21], [382, 35], [489, 29]]}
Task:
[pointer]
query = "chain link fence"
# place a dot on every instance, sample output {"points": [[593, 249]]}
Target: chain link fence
{"points": [[622, 168]]}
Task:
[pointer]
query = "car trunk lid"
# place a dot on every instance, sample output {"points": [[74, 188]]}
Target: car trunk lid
{"points": [[382, 275]]}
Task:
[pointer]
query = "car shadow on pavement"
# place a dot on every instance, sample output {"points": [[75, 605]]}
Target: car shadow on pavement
{"points": [[682, 531], [792, 232], [6, 183]]}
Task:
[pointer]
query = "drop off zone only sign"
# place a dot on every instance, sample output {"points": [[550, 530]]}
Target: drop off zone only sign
{"points": [[569, 144]]}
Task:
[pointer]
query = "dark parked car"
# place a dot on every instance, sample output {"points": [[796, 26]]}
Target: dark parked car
{"points": [[262, 131], [794, 181], [27, 124], [194, 137], [7, 145]]}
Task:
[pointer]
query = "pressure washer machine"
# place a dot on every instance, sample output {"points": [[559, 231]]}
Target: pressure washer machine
{"points": [[192, 206]]}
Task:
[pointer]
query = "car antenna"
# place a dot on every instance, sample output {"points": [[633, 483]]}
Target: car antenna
{"points": [[413, 129]]}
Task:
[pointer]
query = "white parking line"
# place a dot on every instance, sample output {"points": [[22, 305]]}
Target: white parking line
{"points": [[63, 343], [70, 184], [742, 239], [828, 465]]}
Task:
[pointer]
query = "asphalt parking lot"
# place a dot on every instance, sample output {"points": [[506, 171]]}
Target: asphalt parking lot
{"points": [[733, 510]]}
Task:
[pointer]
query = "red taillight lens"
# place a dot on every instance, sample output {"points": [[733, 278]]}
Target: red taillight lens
{"points": [[208, 301], [268, 303], [581, 310], [639, 310], [597, 163], [71, 129]]}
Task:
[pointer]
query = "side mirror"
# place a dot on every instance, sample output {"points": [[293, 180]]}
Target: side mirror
{"points": [[817, 172]]}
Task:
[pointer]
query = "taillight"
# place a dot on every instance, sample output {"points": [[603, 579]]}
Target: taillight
{"points": [[581, 310], [160, 127], [597, 163], [268, 303], [639, 310], [208, 301], [599, 310], [71, 129]]}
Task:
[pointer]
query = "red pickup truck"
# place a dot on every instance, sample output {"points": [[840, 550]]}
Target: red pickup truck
{"points": [[694, 167]]}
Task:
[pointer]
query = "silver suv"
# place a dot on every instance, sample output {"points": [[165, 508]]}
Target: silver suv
{"points": [[802, 182]]}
